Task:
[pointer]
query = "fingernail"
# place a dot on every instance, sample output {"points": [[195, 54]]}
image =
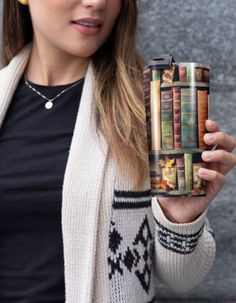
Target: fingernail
{"points": [[208, 154], [210, 137], [203, 171], [212, 123]]}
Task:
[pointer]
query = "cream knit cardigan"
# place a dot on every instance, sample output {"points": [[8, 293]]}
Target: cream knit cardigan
{"points": [[117, 242]]}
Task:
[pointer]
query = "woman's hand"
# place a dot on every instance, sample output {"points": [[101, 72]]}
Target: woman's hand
{"points": [[220, 162]]}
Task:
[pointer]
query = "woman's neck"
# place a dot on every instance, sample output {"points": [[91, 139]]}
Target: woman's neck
{"points": [[50, 66]]}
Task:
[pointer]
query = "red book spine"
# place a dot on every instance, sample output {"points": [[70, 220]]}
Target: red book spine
{"points": [[177, 117], [182, 73], [146, 76]]}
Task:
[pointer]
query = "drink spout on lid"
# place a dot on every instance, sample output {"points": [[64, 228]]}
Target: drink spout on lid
{"points": [[164, 61]]}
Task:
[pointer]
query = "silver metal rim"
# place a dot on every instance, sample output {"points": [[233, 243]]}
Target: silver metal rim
{"points": [[195, 64]]}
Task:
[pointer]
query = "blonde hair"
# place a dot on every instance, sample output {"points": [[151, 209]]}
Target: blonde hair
{"points": [[118, 70]]}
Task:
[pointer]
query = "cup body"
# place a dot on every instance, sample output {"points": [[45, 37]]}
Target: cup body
{"points": [[177, 105]]}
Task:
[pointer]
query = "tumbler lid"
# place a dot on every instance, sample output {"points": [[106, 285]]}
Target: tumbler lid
{"points": [[164, 61]]}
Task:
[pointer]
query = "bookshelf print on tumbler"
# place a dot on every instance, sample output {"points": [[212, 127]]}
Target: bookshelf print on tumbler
{"points": [[176, 104]]}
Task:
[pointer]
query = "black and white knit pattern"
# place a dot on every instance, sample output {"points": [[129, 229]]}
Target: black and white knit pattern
{"points": [[179, 243], [131, 199], [131, 247]]}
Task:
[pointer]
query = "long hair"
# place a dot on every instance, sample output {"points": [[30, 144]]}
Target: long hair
{"points": [[118, 70]]}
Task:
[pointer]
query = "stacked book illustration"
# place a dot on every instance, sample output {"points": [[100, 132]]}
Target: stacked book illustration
{"points": [[177, 102]]}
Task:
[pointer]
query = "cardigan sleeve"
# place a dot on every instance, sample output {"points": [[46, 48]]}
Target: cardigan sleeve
{"points": [[183, 253]]}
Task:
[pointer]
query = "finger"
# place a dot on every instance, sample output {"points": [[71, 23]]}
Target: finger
{"points": [[225, 141], [215, 181], [225, 158], [211, 175], [212, 126]]}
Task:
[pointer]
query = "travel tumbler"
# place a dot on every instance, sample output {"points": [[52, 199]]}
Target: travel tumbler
{"points": [[176, 103]]}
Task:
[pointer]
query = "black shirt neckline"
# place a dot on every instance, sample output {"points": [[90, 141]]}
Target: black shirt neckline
{"points": [[60, 86]]}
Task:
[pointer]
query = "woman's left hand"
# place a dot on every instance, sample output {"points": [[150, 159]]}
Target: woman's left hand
{"points": [[220, 162]]}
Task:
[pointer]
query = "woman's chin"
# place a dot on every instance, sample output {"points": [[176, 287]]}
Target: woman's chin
{"points": [[83, 53]]}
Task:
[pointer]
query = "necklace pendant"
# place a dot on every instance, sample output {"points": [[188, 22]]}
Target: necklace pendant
{"points": [[48, 105]]}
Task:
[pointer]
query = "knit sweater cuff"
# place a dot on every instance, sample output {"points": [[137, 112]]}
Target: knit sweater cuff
{"points": [[187, 228], [179, 237]]}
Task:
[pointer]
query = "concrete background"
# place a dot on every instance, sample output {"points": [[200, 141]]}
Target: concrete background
{"points": [[203, 31]]}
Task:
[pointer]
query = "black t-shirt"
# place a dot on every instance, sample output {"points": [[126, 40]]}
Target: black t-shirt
{"points": [[34, 148]]}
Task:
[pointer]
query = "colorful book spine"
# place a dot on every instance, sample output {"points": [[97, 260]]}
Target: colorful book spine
{"points": [[167, 119], [180, 173], [189, 138], [198, 74], [186, 73], [146, 82], [177, 117], [206, 75], [202, 101], [155, 107], [188, 160], [182, 73]]}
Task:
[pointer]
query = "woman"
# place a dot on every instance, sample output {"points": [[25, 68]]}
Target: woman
{"points": [[75, 202]]}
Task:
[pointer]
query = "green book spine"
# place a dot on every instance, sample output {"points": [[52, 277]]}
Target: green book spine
{"points": [[189, 72], [189, 131], [188, 160], [167, 134], [180, 173]]}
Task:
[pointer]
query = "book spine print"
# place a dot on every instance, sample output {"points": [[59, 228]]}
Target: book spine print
{"points": [[146, 76], [182, 73], [167, 119], [206, 75], [198, 74], [177, 106], [188, 171], [188, 118], [202, 101], [155, 108], [180, 173], [177, 117]]}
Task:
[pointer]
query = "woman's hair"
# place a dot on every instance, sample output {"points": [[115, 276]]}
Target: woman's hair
{"points": [[118, 70]]}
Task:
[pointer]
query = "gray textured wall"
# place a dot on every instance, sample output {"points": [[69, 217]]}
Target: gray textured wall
{"points": [[204, 31]]}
